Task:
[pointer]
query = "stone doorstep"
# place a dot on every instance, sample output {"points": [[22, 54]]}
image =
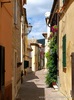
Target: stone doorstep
{"points": [[55, 87]]}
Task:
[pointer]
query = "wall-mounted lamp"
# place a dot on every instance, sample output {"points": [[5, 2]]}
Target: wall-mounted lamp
{"points": [[47, 15], [28, 29], [47, 21]]}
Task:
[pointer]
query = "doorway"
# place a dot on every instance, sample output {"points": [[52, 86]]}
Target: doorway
{"points": [[2, 71], [72, 60]]}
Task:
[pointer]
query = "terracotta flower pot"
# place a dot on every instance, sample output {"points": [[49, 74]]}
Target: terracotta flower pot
{"points": [[53, 83]]}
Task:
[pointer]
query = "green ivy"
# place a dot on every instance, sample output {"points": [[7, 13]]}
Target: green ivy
{"points": [[51, 56]]}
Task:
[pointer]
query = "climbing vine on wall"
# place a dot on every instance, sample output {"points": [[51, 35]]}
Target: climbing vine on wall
{"points": [[51, 56]]}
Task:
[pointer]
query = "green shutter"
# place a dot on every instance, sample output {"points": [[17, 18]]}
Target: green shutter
{"points": [[64, 51]]}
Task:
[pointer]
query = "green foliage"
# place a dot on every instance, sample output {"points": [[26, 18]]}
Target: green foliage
{"points": [[52, 62], [47, 54]]}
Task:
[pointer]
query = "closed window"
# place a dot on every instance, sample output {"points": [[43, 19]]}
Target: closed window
{"points": [[64, 51], [15, 11]]}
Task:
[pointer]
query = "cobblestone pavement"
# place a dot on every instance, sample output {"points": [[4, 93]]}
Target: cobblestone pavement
{"points": [[34, 88]]}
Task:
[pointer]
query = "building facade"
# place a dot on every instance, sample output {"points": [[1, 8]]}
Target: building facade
{"points": [[35, 55], [24, 25], [6, 50], [10, 47], [41, 53], [65, 45], [29, 50], [16, 46], [27, 55], [66, 49], [46, 49]]}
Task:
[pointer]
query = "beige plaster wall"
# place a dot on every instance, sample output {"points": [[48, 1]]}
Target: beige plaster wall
{"points": [[66, 26], [16, 47]]}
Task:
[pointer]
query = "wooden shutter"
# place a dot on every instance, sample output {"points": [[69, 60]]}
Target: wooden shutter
{"points": [[64, 51]]}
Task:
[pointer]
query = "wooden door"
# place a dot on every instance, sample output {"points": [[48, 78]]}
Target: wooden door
{"points": [[2, 71], [72, 59]]}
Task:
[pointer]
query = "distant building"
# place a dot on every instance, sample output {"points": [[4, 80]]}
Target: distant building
{"points": [[37, 53], [46, 50], [27, 55], [41, 43]]}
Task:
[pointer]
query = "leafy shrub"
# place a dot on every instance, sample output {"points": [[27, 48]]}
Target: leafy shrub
{"points": [[51, 56]]}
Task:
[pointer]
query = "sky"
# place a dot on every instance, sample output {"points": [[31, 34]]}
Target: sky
{"points": [[36, 10]]}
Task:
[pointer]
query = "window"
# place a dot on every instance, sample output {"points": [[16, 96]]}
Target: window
{"points": [[64, 51], [15, 11], [26, 64]]}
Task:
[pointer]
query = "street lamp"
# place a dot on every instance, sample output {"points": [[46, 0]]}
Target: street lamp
{"points": [[29, 28], [47, 15], [47, 21]]}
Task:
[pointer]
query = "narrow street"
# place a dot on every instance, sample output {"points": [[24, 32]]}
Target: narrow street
{"points": [[34, 88]]}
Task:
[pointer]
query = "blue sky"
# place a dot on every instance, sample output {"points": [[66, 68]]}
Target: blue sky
{"points": [[36, 10]]}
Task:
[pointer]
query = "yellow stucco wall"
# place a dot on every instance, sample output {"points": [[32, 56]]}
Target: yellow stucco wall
{"points": [[26, 45], [27, 54], [66, 26], [34, 58]]}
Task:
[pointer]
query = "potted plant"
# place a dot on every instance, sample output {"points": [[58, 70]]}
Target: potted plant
{"points": [[54, 28]]}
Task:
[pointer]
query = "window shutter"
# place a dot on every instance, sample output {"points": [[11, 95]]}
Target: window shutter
{"points": [[64, 51], [15, 11]]}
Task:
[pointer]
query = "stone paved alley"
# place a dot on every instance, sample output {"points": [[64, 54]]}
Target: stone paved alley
{"points": [[34, 88]]}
